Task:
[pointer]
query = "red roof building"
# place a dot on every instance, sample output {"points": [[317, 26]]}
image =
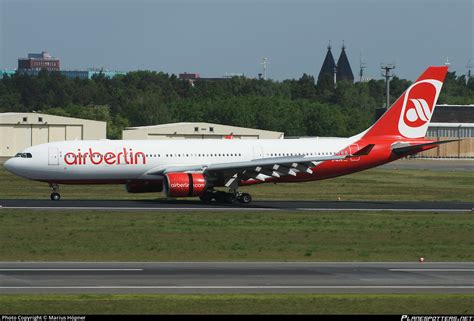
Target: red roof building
{"points": [[39, 61]]}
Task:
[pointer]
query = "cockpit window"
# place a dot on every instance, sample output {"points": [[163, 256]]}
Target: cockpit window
{"points": [[24, 155]]}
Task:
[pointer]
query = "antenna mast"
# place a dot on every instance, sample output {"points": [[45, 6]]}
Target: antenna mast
{"points": [[447, 63], [387, 73], [469, 66], [362, 66]]}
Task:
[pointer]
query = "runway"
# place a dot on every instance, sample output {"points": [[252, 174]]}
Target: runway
{"points": [[210, 277], [195, 205]]}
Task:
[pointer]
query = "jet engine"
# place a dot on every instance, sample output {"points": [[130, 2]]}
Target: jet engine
{"points": [[184, 184], [144, 186]]}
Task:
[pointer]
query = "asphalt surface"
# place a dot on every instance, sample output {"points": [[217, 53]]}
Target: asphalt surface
{"points": [[208, 277], [193, 205]]}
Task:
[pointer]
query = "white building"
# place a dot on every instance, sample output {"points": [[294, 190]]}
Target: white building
{"points": [[21, 130], [197, 131]]}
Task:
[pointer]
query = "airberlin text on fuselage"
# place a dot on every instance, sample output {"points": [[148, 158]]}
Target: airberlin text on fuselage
{"points": [[123, 157]]}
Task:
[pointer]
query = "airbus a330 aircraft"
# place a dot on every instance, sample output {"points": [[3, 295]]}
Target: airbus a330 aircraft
{"points": [[196, 167]]}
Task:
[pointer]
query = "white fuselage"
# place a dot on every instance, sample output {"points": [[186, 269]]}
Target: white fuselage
{"points": [[119, 160]]}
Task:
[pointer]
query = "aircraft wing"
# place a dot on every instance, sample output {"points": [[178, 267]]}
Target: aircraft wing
{"points": [[403, 148], [259, 169]]}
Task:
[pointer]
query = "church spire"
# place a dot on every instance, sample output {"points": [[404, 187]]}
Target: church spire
{"points": [[344, 71], [328, 66]]}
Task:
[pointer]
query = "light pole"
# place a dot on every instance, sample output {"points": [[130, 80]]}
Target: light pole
{"points": [[387, 73]]}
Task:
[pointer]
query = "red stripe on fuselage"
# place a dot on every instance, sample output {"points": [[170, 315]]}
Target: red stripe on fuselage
{"points": [[380, 154]]}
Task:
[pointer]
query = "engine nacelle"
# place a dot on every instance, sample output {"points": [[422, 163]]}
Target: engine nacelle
{"points": [[184, 184], [144, 186]]}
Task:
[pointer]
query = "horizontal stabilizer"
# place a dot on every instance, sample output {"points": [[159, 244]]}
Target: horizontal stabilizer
{"points": [[404, 148]]}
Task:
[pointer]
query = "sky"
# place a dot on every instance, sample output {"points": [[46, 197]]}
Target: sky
{"points": [[215, 37]]}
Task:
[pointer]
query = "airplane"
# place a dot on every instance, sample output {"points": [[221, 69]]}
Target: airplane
{"points": [[194, 168]]}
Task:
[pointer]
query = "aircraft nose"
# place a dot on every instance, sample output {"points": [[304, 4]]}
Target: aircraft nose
{"points": [[10, 165]]}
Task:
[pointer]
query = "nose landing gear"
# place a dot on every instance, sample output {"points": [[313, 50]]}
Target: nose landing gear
{"points": [[55, 196]]}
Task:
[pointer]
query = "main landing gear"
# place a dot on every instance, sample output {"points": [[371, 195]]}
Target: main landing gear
{"points": [[224, 197], [55, 196]]}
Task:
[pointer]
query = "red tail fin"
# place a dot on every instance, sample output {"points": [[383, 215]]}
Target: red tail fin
{"points": [[410, 115]]}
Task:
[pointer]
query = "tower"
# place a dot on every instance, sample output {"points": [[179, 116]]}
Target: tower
{"points": [[344, 71], [362, 66], [328, 66], [264, 63], [469, 66]]}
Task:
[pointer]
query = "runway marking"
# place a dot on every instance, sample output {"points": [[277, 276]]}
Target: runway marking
{"points": [[112, 269], [224, 287], [61, 270], [432, 270], [387, 209]]}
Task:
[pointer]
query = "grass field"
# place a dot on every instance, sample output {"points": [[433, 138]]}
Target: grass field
{"points": [[239, 303], [234, 236], [37, 235], [374, 184]]}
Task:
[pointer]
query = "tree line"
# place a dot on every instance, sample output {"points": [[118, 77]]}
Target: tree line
{"points": [[297, 107]]}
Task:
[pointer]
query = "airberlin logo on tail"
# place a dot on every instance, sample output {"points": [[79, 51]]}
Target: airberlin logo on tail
{"points": [[421, 111], [89, 157], [417, 108]]}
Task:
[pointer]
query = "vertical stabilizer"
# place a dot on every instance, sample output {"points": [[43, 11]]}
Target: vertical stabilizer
{"points": [[410, 115]]}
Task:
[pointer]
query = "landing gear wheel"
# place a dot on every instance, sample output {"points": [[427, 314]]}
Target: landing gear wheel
{"points": [[245, 198], [230, 198], [55, 196], [206, 197], [54, 192], [220, 196]]}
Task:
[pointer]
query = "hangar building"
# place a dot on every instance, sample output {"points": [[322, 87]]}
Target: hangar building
{"points": [[452, 122], [197, 131], [21, 130], [449, 122]]}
